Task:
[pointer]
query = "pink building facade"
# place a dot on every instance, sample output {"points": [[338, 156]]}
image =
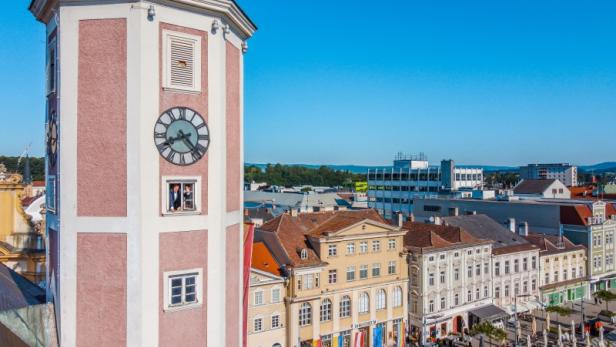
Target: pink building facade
{"points": [[145, 170]]}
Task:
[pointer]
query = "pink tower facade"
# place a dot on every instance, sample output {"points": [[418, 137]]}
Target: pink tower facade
{"points": [[145, 170]]}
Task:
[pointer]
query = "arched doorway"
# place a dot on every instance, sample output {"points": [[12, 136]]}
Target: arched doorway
{"points": [[457, 324]]}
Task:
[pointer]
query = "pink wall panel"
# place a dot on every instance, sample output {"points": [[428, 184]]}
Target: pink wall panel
{"points": [[101, 289], [183, 251], [197, 102], [101, 118], [233, 284], [234, 131]]}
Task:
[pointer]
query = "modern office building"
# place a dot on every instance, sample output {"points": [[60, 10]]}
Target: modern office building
{"points": [[144, 170], [562, 269], [393, 189], [450, 278], [347, 277], [564, 172]]}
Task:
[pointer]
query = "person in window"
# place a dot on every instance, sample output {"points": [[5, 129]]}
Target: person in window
{"points": [[175, 198], [188, 197]]}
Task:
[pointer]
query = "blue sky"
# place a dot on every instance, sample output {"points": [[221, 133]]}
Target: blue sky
{"points": [[345, 82]]}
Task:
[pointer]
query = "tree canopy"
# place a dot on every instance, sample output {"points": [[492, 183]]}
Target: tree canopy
{"points": [[294, 175], [37, 166]]}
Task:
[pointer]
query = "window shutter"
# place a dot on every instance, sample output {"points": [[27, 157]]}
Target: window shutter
{"points": [[182, 64]]}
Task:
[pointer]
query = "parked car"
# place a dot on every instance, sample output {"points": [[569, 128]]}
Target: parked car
{"points": [[607, 316]]}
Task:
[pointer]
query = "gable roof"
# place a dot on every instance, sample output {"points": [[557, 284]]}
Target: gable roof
{"points": [[262, 259], [16, 291], [533, 186], [426, 237], [484, 227], [549, 244], [578, 214], [291, 233]]}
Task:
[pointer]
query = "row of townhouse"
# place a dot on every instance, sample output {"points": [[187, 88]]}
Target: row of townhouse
{"points": [[333, 277]]}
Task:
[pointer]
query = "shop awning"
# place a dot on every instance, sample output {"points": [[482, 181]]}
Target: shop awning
{"points": [[489, 313]]}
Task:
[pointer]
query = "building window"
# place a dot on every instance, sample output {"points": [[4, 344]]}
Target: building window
{"points": [[305, 314], [476, 293], [533, 285], [391, 268], [397, 297], [525, 287], [363, 271], [516, 289], [258, 324], [555, 276], [431, 279], [565, 275], [364, 303], [469, 296], [485, 291], [547, 278], [183, 289], [469, 272], [497, 268], [516, 266], [442, 277], [456, 274], [376, 246], [376, 270], [391, 244], [581, 271], [478, 269], [182, 194], [486, 268], [350, 273], [326, 310], [275, 321], [316, 280], [456, 299], [299, 283], [534, 262], [332, 250], [431, 306], [441, 257], [363, 247], [258, 300], [573, 273], [182, 61], [507, 291], [350, 248], [497, 292], [345, 307], [525, 264], [303, 254], [380, 299], [506, 267], [332, 277], [308, 283]]}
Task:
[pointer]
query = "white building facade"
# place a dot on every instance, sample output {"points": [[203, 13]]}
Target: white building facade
{"points": [[563, 172]]}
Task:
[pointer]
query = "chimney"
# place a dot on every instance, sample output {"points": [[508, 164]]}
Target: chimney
{"points": [[512, 225], [293, 212], [437, 220], [400, 219], [411, 217], [523, 229]]}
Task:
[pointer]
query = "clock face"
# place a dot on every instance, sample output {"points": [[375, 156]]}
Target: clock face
{"points": [[52, 140], [181, 136]]}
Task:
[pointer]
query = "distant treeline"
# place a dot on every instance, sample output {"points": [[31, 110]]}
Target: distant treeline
{"points": [[37, 166], [291, 175]]}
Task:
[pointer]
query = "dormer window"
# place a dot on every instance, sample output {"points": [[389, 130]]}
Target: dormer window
{"points": [[303, 254]]}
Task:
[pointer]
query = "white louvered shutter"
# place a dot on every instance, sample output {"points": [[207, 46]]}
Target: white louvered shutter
{"points": [[183, 62]]}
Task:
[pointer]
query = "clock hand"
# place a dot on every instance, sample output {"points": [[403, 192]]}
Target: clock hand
{"points": [[188, 143]]}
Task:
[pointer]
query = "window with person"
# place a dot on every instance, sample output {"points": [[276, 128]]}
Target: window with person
{"points": [[181, 196]]}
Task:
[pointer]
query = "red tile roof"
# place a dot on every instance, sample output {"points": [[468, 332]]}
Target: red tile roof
{"points": [[292, 232], [432, 236], [262, 259], [578, 214], [38, 183], [549, 243]]}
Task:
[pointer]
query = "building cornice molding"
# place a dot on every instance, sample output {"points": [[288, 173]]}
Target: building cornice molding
{"points": [[232, 13]]}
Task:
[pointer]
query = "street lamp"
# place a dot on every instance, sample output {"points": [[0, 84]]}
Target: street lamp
{"points": [[423, 328], [515, 314]]}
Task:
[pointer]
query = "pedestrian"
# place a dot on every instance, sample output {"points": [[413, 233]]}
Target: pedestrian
{"points": [[595, 300]]}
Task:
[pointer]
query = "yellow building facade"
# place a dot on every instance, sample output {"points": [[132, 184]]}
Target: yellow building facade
{"points": [[346, 274]]}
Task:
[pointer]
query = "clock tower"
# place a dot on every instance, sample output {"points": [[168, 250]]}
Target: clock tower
{"points": [[144, 168]]}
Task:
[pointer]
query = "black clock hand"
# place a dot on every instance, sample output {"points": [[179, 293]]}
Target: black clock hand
{"points": [[188, 143]]}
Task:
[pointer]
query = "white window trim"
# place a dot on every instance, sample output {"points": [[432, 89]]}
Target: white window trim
{"points": [[165, 180], [272, 295], [254, 297], [254, 321], [274, 314], [166, 288], [167, 35]]}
